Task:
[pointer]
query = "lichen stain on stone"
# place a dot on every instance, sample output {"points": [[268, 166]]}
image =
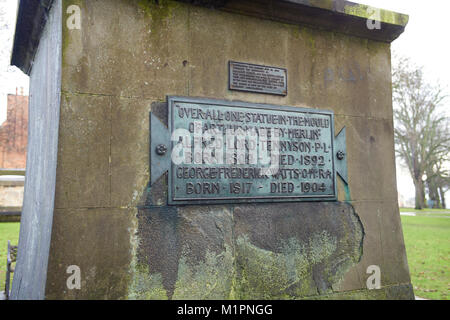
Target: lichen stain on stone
{"points": [[160, 18], [157, 10], [310, 261], [134, 272], [139, 191], [286, 275], [146, 286], [264, 274], [301, 269], [298, 256], [206, 280], [310, 39], [365, 11]]}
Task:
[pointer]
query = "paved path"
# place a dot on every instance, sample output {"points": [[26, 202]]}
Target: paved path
{"points": [[426, 214], [413, 214]]}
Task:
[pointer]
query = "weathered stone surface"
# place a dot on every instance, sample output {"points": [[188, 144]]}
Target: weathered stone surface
{"points": [[325, 69], [156, 262], [383, 246], [396, 268], [249, 252], [98, 241], [332, 15], [230, 37], [129, 150], [127, 48], [370, 159], [370, 214], [185, 254], [400, 292], [83, 172], [290, 251]]}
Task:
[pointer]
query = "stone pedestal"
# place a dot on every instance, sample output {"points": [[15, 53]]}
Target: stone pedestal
{"points": [[126, 58]]}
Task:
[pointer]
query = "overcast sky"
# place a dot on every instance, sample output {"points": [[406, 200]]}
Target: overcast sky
{"points": [[426, 38], [425, 41]]}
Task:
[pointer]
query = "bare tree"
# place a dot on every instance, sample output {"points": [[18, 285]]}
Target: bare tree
{"points": [[444, 187], [438, 180], [421, 129]]}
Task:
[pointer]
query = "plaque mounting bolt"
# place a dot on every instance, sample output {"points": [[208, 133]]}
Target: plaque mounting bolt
{"points": [[161, 149], [340, 155]]}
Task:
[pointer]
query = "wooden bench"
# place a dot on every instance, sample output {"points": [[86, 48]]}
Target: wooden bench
{"points": [[11, 257]]}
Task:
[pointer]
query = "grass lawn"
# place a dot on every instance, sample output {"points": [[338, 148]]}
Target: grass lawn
{"points": [[8, 231], [427, 241]]}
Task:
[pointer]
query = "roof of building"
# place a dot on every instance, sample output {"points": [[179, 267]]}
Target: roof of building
{"points": [[31, 18]]}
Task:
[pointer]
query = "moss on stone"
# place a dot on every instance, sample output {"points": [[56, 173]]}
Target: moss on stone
{"points": [[145, 285], [290, 268], [264, 274], [157, 10], [287, 274], [310, 39], [205, 280], [364, 11]]}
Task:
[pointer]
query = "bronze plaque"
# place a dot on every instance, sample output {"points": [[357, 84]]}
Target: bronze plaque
{"points": [[282, 153], [257, 78]]}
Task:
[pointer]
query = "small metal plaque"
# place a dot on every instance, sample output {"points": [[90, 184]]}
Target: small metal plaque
{"points": [[257, 78], [300, 150]]}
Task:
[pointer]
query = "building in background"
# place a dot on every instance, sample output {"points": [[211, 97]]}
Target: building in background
{"points": [[13, 152], [14, 133]]}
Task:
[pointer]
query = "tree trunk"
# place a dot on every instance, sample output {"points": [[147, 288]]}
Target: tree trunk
{"points": [[433, 194], [418, 184], [442, 195], [424, 197], [438, 198]]}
